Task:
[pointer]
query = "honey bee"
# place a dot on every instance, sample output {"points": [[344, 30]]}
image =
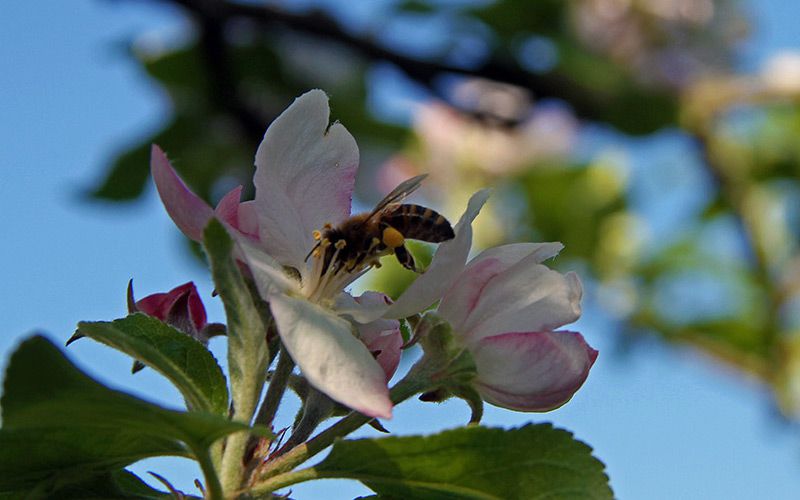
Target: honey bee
{"points": [[362, 238]]}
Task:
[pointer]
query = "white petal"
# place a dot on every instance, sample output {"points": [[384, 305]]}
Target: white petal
{"points": [[361, 311], [463, 296], [267, 272], [447, 263], [305, 172], [330, 356], [527, 296]]}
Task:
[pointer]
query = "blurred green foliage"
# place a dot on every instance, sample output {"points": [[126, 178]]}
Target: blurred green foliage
{"points": [[618, 70]]}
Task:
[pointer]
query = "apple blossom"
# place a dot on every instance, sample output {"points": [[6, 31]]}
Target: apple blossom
{"points": [[305, 174], [505, 307]]}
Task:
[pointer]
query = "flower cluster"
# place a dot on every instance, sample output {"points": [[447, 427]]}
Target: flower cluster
{"points": [[503, 306]]}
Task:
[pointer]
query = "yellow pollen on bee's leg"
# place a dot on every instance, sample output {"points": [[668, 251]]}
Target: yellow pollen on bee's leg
{"points": [[392, 238], [340, 244], [317, 234]]}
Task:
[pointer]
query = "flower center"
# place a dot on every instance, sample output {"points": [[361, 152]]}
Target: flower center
{"points": [[329, 274]]}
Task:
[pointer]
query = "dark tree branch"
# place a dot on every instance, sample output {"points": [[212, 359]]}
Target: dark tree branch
{"points": [[584, 101], [222, 75]]}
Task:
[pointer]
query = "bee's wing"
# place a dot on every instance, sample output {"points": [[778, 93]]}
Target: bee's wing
{"points": [[399, 193]]}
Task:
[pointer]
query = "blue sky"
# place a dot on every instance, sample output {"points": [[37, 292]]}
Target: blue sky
{"points": [[667, 422]]}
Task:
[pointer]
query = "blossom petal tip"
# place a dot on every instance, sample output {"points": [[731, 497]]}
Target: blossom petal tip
{"points": [[158, 158], [593, 353], [316, 99], [190, 212], [384, 412], [476, 202]]}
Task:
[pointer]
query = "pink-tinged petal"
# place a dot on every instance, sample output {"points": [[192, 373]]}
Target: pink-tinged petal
{"points": [[240, 216], [535, 371], [330, 356], [305, 173], [382, 337], [386, 346], [248, 219], [464, 294], [190, 213], [527, 296], [227, 209], [447, 263]]}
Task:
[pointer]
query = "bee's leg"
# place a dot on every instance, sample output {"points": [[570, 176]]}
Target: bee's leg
{"points": [[405, 258]]}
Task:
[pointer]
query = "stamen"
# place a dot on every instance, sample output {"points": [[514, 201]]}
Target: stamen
{"points": [[317, 234], [319, 290], [339, 273]]}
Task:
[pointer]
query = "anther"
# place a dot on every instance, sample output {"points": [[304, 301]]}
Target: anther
{"points": [[317, 235], [340, 244]]}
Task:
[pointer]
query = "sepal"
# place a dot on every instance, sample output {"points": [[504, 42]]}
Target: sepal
{"points": [[451, 367]]}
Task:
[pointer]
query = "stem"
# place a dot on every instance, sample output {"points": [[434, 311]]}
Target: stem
{"points": [[213, 486], [279, 470], [216, 451], [284, 480], [277, 386], [318, 407], [232, 466]]}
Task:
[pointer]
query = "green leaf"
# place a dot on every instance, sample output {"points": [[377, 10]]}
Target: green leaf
{"points": [[117, 485], [62, 428], [180, 358], [532, 462]]}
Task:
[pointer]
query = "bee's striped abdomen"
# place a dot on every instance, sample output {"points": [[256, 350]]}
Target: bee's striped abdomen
{"points": [[419, 223]]}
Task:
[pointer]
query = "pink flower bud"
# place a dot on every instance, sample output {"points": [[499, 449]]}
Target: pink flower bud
{"points": [[181, 308]]}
